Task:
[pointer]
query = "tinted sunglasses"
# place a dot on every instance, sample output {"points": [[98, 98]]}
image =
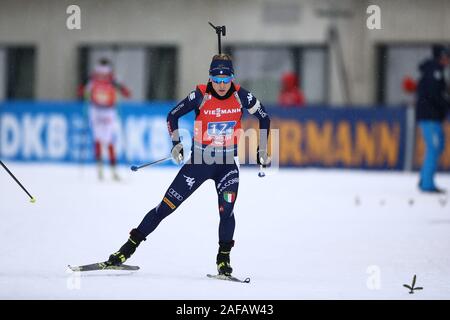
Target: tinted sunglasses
{"points": [[219, 80]]}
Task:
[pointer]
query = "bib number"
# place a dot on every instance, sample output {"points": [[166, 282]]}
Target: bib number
{"points": [[220, 132], [221, 129]]}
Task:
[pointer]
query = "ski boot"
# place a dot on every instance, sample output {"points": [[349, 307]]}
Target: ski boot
{"points": [[223, 258], [125, 252]]}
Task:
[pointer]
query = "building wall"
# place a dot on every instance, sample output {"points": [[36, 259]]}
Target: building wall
{"points": [[184, 24]]}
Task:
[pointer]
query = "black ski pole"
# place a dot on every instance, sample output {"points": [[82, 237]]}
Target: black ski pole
{"points": [[32, 199], [136, 168]]}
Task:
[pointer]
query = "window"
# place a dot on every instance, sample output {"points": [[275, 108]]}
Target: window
{"points": [[149, 72], [17, 70], [260, 68], [397, 61], [162, 66]]}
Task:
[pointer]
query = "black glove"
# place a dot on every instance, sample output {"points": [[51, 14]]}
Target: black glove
{"points": [[262, 157], [177, 153]]}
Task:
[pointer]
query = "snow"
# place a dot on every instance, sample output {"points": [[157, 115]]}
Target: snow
{"points": [[300, 234]]}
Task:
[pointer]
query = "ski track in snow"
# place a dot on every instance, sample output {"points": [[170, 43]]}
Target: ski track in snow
{"points": [[300, 234]]}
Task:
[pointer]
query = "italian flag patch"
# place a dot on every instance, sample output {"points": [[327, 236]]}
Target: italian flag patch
{"points": [[229, 196]]}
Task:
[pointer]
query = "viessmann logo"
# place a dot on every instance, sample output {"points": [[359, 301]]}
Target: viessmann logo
{"points": [[219, 112]]}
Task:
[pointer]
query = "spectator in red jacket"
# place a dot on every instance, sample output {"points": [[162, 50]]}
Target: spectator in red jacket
{"points": [[290, 94], [409, 86]]}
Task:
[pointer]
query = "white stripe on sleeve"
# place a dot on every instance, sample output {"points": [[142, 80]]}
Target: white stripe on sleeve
{"points": [[255, 108]]}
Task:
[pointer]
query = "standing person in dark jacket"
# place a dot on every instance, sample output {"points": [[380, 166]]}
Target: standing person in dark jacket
{"points": [[431, 111]]}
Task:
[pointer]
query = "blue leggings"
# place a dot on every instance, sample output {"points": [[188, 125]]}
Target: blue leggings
{"points": [[188, 179], [433, 135]]}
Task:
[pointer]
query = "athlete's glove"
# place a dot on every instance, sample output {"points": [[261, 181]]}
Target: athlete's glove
{"points": [[177, 153], [262, 157]]}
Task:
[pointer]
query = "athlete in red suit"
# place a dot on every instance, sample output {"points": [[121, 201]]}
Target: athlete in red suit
{"points": [[218, 106], [100, 91]]}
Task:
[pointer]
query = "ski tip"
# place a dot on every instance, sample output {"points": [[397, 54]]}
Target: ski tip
{"points": [[72, 268]]}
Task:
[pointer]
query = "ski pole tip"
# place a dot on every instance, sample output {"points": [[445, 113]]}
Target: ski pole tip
{"points": [[134, 168], [33, 200]]}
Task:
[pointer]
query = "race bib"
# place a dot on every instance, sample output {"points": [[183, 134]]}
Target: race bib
{"points": [[220, 132], [102, 97], [221, 129]]}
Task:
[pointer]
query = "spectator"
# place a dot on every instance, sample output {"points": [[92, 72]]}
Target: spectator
{"points": [[290, 94], [431, 109], [409, 86]]}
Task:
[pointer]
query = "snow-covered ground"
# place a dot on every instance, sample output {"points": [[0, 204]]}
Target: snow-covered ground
{"points": [[300, 234]]}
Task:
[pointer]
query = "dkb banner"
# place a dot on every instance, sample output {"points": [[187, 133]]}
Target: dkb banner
{"points": [[60, 132]]}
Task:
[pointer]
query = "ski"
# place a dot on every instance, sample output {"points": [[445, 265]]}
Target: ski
{"points": [[227, 278], [103, 266]]}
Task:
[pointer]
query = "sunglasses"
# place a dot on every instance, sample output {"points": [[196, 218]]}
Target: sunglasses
{"points": [[220, 80]]}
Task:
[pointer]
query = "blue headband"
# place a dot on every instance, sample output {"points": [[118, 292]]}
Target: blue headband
{"points": [[221, 67]]}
